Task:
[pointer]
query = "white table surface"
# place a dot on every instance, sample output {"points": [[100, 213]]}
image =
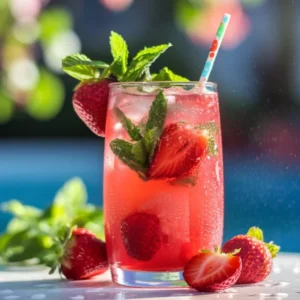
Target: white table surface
{"points": [[19, 284]]}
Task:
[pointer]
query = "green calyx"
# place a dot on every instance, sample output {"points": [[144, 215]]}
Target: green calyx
{"points": [[257, 233], [84, 69]]}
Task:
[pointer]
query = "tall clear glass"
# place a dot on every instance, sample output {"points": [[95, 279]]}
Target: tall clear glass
{"points": [[156, 221]]}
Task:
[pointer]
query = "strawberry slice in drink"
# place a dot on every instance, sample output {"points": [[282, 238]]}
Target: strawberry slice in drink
{"points": [[178, 152], [141, 235]]}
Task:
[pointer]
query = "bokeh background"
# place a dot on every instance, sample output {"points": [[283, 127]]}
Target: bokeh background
{"points": [[43, 143]]}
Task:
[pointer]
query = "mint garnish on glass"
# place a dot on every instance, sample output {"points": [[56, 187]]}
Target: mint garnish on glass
{"points": [[91, 95], [148, 151]]}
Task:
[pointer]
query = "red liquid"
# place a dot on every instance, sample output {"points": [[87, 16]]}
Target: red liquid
{"points": [[191, 218]]}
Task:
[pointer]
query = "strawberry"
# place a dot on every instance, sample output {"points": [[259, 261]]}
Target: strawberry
{"points": [[141, 235], [256, 255], [84, 256], [178, 152], [212, 271], [90, 102]]}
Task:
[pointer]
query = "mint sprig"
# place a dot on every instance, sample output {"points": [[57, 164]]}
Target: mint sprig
{"points": [[84, 69], [166, 74], [119, 51], [81, 67], [142, 61], [138, 155], [132, 130]]}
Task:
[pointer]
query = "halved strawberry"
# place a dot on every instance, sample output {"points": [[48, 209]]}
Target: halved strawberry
{"points": [[141, 235], [178, 152], [211, 272], [90, 102]]}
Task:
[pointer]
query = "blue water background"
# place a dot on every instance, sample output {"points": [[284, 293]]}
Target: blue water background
{"points": [[257, 191]]}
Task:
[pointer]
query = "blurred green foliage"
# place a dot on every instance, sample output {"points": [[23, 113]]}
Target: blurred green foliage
{"points": [[27, 82], [45, 100], [35, 236], [32, 46]]}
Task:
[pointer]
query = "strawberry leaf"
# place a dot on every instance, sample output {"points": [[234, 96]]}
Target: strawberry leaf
{"points": [[166, 74], [119, 51], [142, 61], [124, 151], [132, 130], [81, 67]]}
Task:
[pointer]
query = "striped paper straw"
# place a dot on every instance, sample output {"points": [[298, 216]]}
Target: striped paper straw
{"points": [[215, 48]]}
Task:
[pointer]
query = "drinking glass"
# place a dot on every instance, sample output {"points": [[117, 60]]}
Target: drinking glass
{"points": [[154, 223]]}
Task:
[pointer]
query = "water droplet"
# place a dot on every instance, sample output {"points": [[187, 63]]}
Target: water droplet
{"points": [[6, 292], [283, 283], [78, 297], [296, 270], [94, 290], [38, 296], [277, 270], [44, 285], [11, 297], [267, 284]]}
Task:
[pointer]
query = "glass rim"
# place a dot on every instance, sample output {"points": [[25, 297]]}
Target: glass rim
{"points": [[208, 84]]}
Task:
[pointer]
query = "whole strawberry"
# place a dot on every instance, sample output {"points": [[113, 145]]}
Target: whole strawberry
{"points": [[256, 255], [84, 256], [212, 271], [90, 103]]}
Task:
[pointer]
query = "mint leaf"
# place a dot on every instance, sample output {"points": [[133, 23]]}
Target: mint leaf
{"points": [[119, 52], [139, 152], [124, 151], [81, 67], [157, 113], [150, 140], [132, 130], [142, 61], [166, 74]]}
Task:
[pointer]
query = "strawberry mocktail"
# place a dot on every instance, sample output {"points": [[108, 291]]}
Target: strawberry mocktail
{"points": [[163, 180]]}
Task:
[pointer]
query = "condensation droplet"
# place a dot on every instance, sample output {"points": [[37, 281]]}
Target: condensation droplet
{"points": [[78, 297], [38, 296], [6, 292]]}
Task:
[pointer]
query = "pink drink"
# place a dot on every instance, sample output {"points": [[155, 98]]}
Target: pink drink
{"points": [[190, 217]]}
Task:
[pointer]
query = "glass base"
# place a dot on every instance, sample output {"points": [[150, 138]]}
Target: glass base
{"points": [[147, 279]]}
